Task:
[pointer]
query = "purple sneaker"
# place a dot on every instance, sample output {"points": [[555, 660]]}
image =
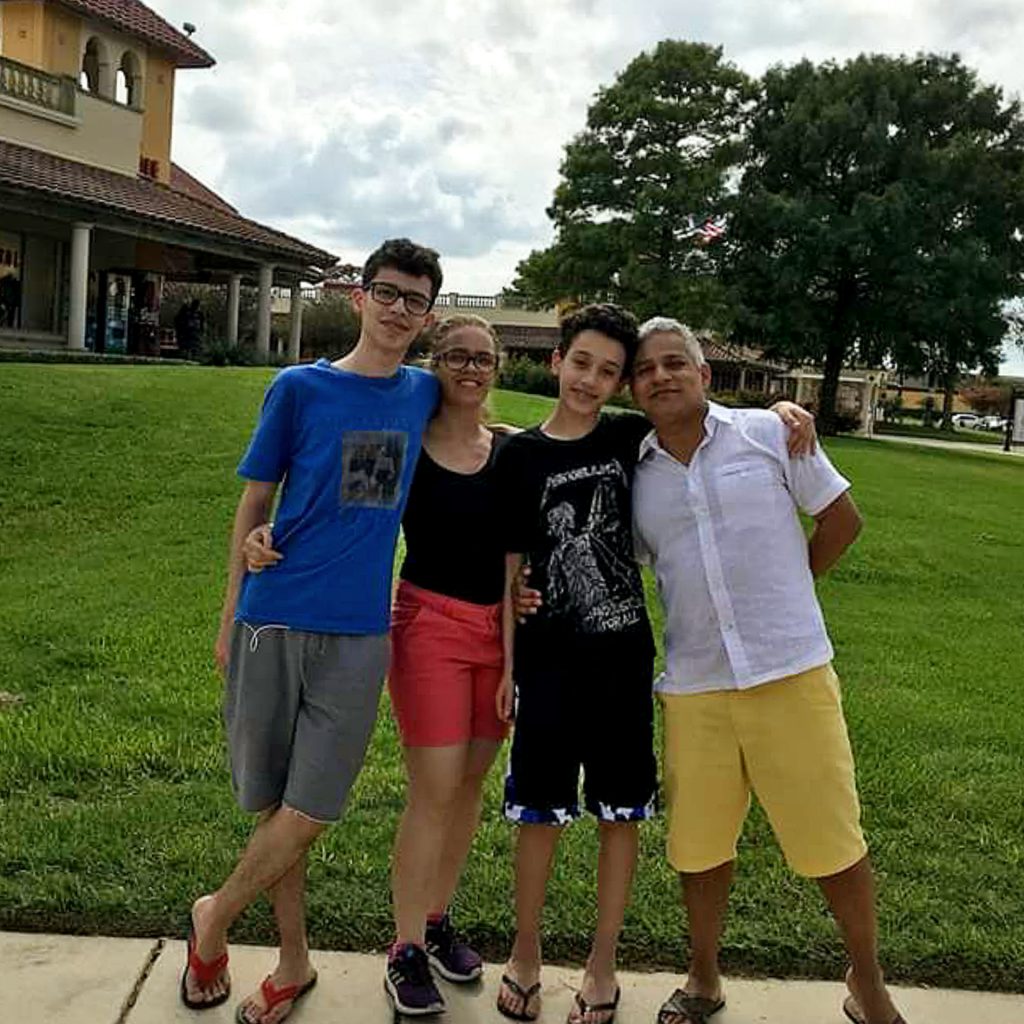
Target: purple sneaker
{"points": [[410, 984], [448, 956]]}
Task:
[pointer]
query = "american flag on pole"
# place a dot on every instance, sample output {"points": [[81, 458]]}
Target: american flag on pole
{"points": [[711, 230], [705, 231]]}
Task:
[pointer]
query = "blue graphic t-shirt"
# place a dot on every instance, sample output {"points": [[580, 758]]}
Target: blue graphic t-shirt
{"points": [[345, 446]]}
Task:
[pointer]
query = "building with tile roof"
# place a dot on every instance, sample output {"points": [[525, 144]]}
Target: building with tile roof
{"points": [[94, 215]]}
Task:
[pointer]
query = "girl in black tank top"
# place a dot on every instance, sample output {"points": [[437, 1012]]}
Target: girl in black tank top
{"points": [[447, 662]]}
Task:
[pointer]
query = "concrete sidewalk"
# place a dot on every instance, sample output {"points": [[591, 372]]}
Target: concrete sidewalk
{"points": [[51, 979], [955, 446]]}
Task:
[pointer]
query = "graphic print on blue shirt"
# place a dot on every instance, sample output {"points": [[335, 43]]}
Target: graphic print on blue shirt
{"points": [[345, 447], [372, 462]]}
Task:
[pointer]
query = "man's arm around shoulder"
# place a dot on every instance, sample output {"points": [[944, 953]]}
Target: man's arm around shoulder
{"points": [[835, 528]]}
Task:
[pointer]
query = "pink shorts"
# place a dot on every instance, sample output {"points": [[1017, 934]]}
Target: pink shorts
{"points": [[446, 666]]}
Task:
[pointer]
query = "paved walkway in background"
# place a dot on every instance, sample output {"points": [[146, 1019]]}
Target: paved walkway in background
{"points": [[959, 446], [50, 979]]}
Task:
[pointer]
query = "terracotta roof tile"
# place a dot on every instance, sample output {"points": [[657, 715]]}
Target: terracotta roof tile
{"points": [[182, 181], [136, 19], [140, 199], [716, 350]]}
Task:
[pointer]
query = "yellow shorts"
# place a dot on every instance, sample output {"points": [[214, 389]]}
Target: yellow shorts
{"points": [[787, 742]]}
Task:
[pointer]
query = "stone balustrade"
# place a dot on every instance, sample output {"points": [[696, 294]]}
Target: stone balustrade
{"points": [[30, 85]]}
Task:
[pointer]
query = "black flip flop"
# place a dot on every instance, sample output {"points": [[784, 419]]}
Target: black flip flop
{"points": [[584, 1007], [852, 1011], [526, 994], [696, 1009]]}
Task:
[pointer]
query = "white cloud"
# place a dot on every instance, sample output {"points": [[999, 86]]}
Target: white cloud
{"points": [[346, 122]]}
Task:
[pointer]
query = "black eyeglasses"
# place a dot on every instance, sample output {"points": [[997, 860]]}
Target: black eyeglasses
{"points": [[459, 359], [386, 294]]}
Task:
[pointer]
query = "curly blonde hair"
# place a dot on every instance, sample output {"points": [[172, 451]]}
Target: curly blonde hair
{"points": [[439, 333]]}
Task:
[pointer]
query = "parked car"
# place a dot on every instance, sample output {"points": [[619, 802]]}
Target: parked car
{"points": [[991, 423], [966, 419]]}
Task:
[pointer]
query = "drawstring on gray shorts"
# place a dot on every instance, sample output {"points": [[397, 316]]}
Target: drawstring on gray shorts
{"points": [[254, 639]]}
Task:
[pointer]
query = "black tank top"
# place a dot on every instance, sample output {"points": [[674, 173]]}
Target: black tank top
{"points": [[453, 541]]}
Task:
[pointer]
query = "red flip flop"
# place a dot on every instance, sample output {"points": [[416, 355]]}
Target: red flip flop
{"points": [[274, 996], [206, 972]]}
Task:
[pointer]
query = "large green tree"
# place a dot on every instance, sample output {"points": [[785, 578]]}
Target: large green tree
{"points": [[652, 163], [879, 217]]}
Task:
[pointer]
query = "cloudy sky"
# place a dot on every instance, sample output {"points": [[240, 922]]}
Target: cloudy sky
{"points": [[347, 121]]}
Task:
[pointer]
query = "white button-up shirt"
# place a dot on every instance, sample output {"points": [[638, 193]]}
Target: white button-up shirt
{"points": [[730, 554]]}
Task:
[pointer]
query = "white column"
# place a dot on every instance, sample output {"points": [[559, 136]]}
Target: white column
{"points": [[263, 311], [78, 296], [234, 303], [295, 337], [867, 409]]}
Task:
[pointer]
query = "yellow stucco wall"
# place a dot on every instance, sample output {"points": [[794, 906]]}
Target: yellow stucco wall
{"points": [[107, 135], [23, 32], [159, 113], [914, 398], [61, 50], [47, 37]]}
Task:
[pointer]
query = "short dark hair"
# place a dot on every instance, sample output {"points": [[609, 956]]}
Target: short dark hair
{"points": [[408, 257], [617, 323]]}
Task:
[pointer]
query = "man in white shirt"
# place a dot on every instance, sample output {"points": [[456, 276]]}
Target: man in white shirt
{"points": [[751, 702]]}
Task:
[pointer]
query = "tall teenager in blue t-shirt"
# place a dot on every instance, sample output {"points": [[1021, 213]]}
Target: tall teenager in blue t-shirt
{"points": [[447, 661], [304, 656]]}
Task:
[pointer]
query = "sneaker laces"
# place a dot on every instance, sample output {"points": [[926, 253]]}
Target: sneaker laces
{"points": [[442, 934], [413, 964]]}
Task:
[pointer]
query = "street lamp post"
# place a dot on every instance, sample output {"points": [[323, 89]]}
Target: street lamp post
{"points": [[1015, 420]]}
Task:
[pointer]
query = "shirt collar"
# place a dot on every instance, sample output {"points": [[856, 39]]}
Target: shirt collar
{"points": [[716, 414]]}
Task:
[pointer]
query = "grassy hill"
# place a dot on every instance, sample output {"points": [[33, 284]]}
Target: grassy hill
{"points": [[115, 810]]}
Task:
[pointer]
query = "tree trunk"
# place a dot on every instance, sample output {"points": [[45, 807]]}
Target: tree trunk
{"points": [[835, 351], [949, 389], [830, 386]]}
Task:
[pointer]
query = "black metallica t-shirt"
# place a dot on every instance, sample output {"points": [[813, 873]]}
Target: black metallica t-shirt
{"points": [[566, 507], [453, 544]]}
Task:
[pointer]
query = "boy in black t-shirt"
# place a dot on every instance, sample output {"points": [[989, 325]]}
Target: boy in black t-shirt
{"points": [[579, 668], [582, 667]]}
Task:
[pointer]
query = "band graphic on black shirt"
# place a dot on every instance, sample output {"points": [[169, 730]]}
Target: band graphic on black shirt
{"points": [[592, 578]]}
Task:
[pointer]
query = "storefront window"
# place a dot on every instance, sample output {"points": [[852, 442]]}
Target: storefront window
{"points": [[40, 283], [10, 279]]}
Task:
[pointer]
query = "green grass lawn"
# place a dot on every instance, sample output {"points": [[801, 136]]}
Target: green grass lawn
{"points": [[115, 808]]}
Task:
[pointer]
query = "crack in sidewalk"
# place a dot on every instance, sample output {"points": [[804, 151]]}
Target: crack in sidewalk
{"points": [[140, 981]]}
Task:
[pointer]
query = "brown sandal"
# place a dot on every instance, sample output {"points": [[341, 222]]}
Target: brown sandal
{"points": [[692, 1009]]}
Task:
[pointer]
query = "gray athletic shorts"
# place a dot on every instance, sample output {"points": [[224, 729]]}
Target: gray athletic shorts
{"points": [[299, 709]]}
